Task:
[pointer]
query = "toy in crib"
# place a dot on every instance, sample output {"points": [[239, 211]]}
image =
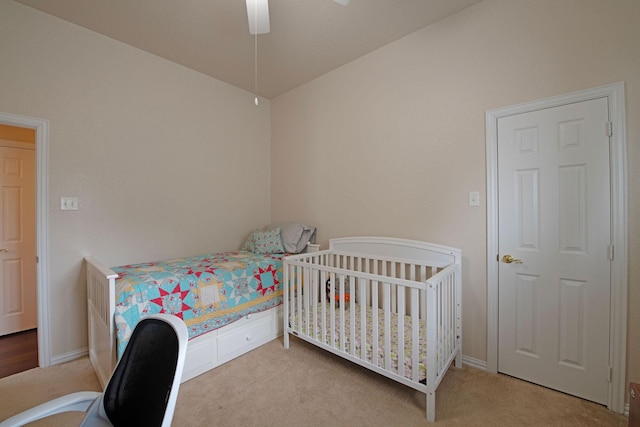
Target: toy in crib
{"points": [[347, 296]]}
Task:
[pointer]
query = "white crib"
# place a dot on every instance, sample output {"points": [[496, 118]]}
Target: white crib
{"points": [[362, 298]]}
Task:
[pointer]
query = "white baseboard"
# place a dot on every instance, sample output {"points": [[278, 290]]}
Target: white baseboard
{"points": [[474, 363], [68, 357]]}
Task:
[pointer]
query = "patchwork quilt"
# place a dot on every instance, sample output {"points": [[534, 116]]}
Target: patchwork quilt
{"points": [[207, 292]]}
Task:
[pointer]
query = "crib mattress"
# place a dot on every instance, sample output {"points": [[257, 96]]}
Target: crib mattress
{"points": [[379, 329]]}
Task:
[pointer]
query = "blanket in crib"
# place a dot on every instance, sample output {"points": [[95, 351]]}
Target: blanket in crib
{"points": [[379, 329], [207, 292]]}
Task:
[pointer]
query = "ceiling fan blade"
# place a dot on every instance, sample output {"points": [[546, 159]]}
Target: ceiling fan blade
{"points": [[258, 16]]}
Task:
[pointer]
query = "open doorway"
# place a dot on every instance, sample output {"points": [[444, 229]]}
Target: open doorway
{"points": [[18, 313], [40, 128]]}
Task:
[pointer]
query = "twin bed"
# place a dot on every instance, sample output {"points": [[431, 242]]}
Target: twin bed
{"points": [[231, 303], [391, 305]]}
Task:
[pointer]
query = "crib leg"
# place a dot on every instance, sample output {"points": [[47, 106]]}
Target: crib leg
{"points": [[431, 406], [286, 340], [458, 361]]}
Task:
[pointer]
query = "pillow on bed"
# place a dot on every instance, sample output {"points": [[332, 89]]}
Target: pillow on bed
{"points": [[267, 242], [295, 236], [249, 244]]}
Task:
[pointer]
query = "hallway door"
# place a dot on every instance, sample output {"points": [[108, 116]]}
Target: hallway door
{"points": [[18, 310]]}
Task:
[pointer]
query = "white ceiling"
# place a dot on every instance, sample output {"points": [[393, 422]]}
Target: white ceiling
{"points": [[308, 37]]}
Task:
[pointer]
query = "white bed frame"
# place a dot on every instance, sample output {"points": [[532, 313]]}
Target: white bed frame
{"points": [[412, 278], [204, 352]]}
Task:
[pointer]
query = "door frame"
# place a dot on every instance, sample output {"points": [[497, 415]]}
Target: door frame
{"points": [[41, 127], [618, 170]]}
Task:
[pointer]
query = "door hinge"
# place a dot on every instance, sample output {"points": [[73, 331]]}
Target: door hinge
{"points": [[610, 374], [609, 129], [610, 252]]}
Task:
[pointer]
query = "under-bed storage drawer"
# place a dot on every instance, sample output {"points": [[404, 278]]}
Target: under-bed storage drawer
{"points": [[247, 335]]}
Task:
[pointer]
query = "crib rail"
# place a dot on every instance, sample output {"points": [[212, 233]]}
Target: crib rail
{"points": [[444, 322]]}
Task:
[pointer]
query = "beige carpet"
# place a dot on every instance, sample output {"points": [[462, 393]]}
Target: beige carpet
{"points": [[306, 386]]}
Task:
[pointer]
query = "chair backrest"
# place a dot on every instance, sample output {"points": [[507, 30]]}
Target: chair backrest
{"points": [[143, 389]]}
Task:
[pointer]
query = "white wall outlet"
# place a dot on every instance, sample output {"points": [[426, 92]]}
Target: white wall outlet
{"points": [[474, 198], [68, 203]]}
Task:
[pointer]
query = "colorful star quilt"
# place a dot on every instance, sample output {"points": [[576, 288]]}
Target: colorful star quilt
{"points": [[207, 292]]}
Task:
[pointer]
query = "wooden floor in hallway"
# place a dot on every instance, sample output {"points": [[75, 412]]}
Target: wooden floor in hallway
{"points": [[18, 352]]}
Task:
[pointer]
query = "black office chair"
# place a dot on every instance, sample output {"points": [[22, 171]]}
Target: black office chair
{"points": [[143, 388]]}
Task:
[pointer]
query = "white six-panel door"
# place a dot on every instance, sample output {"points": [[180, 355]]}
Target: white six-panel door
{"points": [[18, 309], [554, 221]]}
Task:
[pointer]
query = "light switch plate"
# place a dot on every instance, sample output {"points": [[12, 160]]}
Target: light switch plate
{"points": [[68, 203], [474, 198]]}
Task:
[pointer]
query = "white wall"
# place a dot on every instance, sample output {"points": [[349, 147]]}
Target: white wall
{"points": [[166, 162], [392, 143]]}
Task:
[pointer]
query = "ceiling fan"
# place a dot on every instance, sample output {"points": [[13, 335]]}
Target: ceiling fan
{"points": [[258, 15]]}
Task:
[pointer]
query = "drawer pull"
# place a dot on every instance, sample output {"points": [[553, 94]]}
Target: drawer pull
{"points": [[248, 338], [248, 316]]}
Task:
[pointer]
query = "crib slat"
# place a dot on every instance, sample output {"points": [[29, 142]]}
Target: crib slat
{"points": [[422, 277], [400, 290], [285, 303], [386, 289], [323, 280], [352, 315], [305, 299], [292, 300], [314, 302], [452, 316], [375, 324], [343, 337], [332, 308], [438, 302], [432, 322], [363, 321], [366, 297], [394, 291], [415, 335], [449, 312], [298, 287]]}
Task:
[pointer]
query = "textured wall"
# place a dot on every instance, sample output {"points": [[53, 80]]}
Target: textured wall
{"points": [[165, 162], [392, 143]]}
